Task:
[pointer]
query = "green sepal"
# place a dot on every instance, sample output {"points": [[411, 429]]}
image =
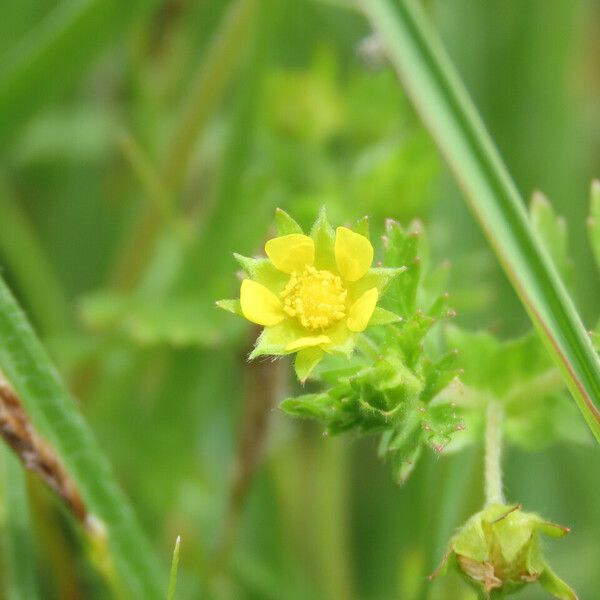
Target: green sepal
{"points": [[554, 585], [309, 406], [552, 530], [323, 236], [379, 277], [262, 271], [306, 360], [285, 224], [381, 316], [471, 541], [272, 341], [232, 306]]}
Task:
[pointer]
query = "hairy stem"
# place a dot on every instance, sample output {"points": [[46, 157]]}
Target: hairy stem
{"points": [[493, 454]]}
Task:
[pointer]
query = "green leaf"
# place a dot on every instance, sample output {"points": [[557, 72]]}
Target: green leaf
{"points": [[285, 224], [402, 250], [439, 374], [439, 96], [55, 415]]}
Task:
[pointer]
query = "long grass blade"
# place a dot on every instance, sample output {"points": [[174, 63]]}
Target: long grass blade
{"points": [[20, 559], [28, 368], [174, 570], [439, 96]]}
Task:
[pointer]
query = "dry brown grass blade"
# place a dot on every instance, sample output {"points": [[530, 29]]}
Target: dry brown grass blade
{"points": [[34, 452]]}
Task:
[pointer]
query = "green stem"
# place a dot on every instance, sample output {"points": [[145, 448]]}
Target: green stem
{"points": [[493, 454]]}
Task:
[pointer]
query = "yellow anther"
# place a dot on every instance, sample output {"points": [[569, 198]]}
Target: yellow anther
{"points": [[317, 299]]}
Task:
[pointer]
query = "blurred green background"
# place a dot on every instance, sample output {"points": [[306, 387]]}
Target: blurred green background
{"points": [[142, 142]]}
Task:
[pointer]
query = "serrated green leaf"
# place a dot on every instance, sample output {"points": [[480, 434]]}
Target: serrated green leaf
{"points": [[439, 308], [403, 466], [439, 96], [439, 374], [402, 250]]}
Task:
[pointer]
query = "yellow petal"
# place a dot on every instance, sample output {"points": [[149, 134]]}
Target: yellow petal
{"points": [[259, 304], [291, 252], [361, 311], [353, 254], [307, 342]]}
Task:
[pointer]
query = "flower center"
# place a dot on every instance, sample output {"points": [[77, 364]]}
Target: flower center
{"points": [[316, 298]]}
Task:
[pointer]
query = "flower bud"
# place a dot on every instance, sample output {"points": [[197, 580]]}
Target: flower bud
{"points": [[498, 551]]}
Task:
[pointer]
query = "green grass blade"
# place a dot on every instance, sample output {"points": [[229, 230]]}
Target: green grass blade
{"points": [[53, 412], [174, 569], [56, 51], [20, 560], [439, 96]]}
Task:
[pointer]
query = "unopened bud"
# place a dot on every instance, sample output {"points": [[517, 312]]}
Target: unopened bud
{"points": [[498, 551]]}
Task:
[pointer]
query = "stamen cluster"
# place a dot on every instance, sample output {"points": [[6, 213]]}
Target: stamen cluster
{"points": [[316, 298]]}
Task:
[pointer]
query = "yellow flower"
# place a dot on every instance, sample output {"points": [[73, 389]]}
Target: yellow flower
{"points": [[312, 294]]}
